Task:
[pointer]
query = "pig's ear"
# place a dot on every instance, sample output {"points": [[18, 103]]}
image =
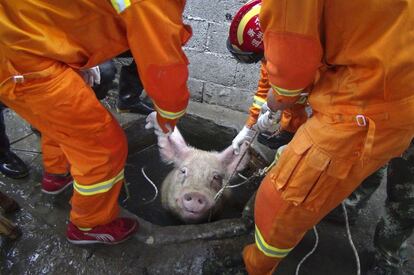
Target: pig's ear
{"points": [[232, 161], [173, 148]]}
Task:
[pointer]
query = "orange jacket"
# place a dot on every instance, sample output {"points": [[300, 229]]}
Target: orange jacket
{"points": [[297, 111], [84, 33], [362, 49], [259, 97]]}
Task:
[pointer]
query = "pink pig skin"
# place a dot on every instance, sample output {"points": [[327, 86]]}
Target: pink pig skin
{"points": [[189, 189]]}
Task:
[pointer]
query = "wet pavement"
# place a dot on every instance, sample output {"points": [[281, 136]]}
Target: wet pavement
{"points": [[157, 249]]}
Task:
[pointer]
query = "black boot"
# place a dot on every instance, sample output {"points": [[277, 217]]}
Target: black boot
{"points": [[130, 90], [12, 166], [134, 105], [276, 141]]}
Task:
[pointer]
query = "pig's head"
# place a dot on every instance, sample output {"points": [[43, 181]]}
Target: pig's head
{"points": [[189, 190]]}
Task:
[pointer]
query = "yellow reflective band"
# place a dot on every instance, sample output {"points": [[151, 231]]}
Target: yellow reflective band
{"points": [[246, 18], [286, 92], [84, 228], [169, 115], [120, 5], [302, 99], [269, 250], [258, 100], [277, 156], [102, 187], [257, 106]]}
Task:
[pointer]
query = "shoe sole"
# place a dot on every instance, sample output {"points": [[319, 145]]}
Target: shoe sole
{"points": [[57, 191], [18, 177], [81, 242]]}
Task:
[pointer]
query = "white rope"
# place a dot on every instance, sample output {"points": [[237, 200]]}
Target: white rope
{"points": [[226, 186], [152, 183], [348, 232], [240, 175], [238, 185], [310, 252], [226, 183]]}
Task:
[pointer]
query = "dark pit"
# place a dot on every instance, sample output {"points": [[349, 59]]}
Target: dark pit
{"points": [[200, 133]]}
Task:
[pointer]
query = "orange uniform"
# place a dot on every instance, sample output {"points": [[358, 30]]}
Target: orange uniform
{"points": [[291, 118], [363, 109], [45, 43]]}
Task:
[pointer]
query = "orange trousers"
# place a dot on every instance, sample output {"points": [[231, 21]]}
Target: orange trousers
{"points": [[292, 118], [79, 134], [319, 168]]}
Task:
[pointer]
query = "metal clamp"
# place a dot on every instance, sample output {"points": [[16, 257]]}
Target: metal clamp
{"points": [[18, 78], [361, 120]]}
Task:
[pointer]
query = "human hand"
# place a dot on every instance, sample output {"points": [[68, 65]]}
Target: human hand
{"points": [[92, 76], [152, 123], [246, 134]]}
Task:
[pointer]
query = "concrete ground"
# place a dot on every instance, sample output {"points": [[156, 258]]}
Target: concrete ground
{"points": [[196, 249]]}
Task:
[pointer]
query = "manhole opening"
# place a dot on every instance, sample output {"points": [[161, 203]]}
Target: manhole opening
{"points": [[199, 133]]}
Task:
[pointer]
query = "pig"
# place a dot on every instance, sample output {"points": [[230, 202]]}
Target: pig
{"points": [[189, 190]]}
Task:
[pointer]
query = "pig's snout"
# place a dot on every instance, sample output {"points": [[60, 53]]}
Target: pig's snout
{"points": [[195, 202]]}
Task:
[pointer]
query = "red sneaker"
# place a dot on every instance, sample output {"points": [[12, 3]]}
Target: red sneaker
{"points": [[114, 232], [55, 184]]}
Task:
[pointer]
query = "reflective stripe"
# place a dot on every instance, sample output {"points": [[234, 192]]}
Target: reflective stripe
{"points": [[286, 92], [302, 99], [269, 250], [279, 152], [84, 228], [246, 18], [257, 106], [120, 5], [102, 187], [258, 101], [169, 115]]}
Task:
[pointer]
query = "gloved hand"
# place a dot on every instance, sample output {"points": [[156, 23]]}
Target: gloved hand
{"points": [[246, 134], [152, 123], [265, 121], [92, 76]]}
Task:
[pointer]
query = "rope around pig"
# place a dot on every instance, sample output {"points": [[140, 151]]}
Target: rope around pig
{"points": [[220, 192], [227, 182]]}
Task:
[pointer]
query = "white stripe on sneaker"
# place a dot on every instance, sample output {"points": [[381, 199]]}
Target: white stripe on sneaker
{"points": [[101, 237]]}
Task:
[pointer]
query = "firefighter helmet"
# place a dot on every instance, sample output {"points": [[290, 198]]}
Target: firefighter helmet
{"points": [[245, 41]]}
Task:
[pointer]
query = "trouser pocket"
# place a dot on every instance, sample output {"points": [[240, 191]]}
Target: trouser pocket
{"points": [[306, 175]]}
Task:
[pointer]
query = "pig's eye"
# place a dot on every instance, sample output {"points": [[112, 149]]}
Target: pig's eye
{"points": [[217, 182], [184, 171], [217, 177]]}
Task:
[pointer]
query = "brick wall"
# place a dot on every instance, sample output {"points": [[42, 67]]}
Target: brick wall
{"points": [[215, 77]]}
